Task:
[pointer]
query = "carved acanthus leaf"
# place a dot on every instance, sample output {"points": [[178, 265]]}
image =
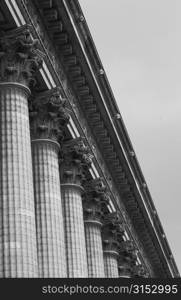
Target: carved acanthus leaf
{"points": [[48, 115], [75, 151], [95, 199], [113, 229], [20, 57], [75, 159]]}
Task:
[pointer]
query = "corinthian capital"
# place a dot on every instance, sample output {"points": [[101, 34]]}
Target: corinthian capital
{"points": [[113, 230], [127, 252], [19, 56], [113, 225], [95, 198], [95, 188], [48, 115], [76, 158], [127, 246]]}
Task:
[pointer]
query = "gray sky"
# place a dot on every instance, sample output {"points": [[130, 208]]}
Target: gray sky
{"points": [[139, 42]]}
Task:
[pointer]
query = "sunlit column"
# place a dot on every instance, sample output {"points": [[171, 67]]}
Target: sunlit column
{"points": [[111, 235], [48, 117], [94, 199], [19, 59], [75, 159]]}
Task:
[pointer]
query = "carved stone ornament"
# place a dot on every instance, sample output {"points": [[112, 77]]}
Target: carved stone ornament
{"points": [[76, 158], [92, 212], [113, 224], [127, 246], [128, 252], [20, 57], [113, 230], [95, 198], [96, 189], [48, 115]]}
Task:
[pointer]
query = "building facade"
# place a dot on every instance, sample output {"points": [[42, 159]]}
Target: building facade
{"points": [[74, 202]]}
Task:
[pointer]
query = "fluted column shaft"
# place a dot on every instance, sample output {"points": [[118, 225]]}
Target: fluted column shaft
{"points": [[74, 231], [74, 159], [46, 112], [19, 60], [17, 232], [49, 220], [95, 198], [94, 249], [111, 264], [112, 235]]}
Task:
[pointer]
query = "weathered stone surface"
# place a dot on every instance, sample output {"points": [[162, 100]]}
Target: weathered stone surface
{"points": [[48, 117], [75, 158], [20, 57], [95, 198], [18, 255]]}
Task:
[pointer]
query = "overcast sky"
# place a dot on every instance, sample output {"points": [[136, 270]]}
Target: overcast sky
{"points": [[139, 42]]}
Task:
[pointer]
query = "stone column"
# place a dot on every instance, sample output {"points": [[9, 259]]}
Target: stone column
{"points": [[19, 59], [95, 198], [111, 232], [127, 259], [48, 117], [75, 158]]}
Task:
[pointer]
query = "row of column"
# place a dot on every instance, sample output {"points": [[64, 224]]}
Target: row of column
{"points": [[45, 229]]}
